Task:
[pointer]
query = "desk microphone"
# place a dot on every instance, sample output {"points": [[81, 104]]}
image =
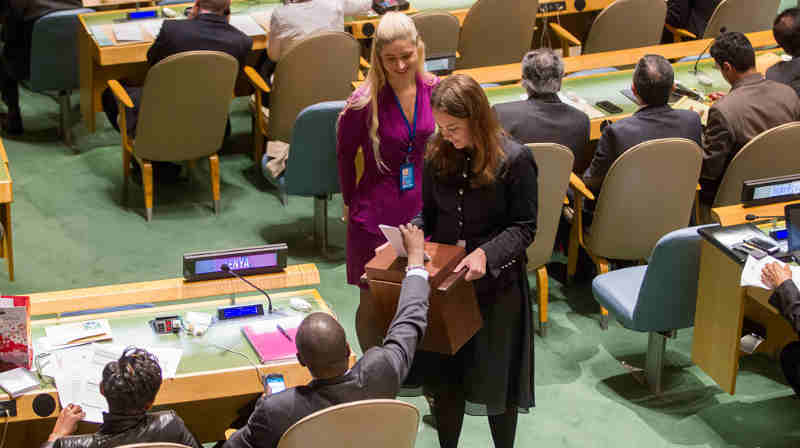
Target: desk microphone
{"points": [[697, 61], [750, 217], [226, 268]]}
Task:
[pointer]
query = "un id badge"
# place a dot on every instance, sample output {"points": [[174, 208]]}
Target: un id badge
{"points": [[407, 176]]}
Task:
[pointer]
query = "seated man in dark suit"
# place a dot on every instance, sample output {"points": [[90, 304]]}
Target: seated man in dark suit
{"points": [[322, 348], [691, 15], [207, 29], [786, 299], [543, 118], [653, 81], [15, 62], [130, 385], [786, 30], [753, 106]]}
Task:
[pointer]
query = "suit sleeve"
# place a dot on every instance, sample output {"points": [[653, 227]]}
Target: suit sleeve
{"points": [[786, 299], [718, 146], [157, 51], [406, 329], [522, 197], [601, 161], [351, 134], [678, 13], [257, 433]]}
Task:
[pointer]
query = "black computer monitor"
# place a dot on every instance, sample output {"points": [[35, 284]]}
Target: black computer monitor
{"points": [[793, 227]]}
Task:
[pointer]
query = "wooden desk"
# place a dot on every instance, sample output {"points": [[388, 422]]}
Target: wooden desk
{"points": [[209, 380], [721, 307], [6, 198], [114, 3], [513, 72], [735, 214]]}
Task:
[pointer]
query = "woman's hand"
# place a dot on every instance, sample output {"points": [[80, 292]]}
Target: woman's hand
{"points": [[773, 275], [475, 263], [67, 422]]}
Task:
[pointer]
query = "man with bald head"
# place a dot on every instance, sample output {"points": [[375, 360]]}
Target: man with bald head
{"points": [[322, 348]]}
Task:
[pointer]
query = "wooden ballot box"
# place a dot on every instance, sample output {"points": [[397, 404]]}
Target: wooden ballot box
{"points": [[453, 316]]}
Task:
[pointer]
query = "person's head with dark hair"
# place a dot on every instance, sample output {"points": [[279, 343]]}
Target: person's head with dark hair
{"points": [[218, 7], [130, 384], [786, 30], [322, 346], [734, 55], [653, 80]]}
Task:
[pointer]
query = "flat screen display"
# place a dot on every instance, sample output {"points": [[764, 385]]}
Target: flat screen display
{"points": [[793, 226], [771, 191], [237, 263], [242, 311]]}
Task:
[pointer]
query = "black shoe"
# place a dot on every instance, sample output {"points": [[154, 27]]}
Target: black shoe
{"points": [[11, 124]]}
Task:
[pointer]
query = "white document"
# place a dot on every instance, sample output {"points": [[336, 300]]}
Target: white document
{"points": [[270, 325], [579, 103], [65, 335], [128, 32], [751, 273], [395, 239], [153, 27], [18, 381], [263, 17], [247, 25]]}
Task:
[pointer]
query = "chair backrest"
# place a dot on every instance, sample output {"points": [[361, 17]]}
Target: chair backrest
{"points": [[155, 445], [626, 24], [496, 32], [312, 166], [367, 424], [745, 16], [439, 30], [320, 67], [668, 294], [772, 153], [54, 51], [185, 103], [648, 192], [554, 163]]}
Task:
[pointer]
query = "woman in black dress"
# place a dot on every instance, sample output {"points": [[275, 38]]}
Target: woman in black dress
{"points": [[480, 191]]}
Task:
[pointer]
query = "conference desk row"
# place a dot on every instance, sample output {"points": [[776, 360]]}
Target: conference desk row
{"points": [[209, 380]]}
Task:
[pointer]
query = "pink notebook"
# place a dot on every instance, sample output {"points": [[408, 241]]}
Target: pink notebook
{"points": [[271, 345]]}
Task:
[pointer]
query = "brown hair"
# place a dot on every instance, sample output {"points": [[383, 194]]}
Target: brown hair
{"points": [[215, 6], [462, 97]]}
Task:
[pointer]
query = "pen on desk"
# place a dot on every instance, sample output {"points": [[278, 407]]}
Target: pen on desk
{"points": [[283, 332]]}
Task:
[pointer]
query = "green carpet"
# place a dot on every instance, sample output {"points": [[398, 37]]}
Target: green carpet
{"points": [[70, 231]]}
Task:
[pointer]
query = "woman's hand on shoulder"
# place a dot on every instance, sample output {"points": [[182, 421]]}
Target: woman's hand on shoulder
{"points": [[475, 263]]}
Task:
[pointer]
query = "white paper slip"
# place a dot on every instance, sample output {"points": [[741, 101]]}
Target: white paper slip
{"points": [[395, 238], [581, 104], [751, 273], [127, 32], [59, 336], [18, 381], [268, 325], [153, 27], [247, 25]]}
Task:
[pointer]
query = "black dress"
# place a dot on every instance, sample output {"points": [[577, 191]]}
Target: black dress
{"points": [[496, 365]]}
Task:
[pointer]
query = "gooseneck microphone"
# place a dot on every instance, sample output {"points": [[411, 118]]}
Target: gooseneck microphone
{"points": [[226, 268], [750, 217], [699, 56]]}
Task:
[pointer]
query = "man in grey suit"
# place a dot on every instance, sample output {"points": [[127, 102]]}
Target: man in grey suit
{"points": [[543, 118], [753, 106], [786, 30], [653, 81], [323, 349]]}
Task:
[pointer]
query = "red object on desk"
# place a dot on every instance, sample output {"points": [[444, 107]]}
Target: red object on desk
{"points": [[271, 345]]}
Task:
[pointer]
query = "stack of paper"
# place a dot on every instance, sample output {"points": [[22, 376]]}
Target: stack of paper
{"points": [[127, 32], [751, 273], [247, 25], [153, 27], [18, 381], [580, 103], [68, 335]]}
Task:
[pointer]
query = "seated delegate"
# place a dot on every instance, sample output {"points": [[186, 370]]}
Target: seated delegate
{"points": [[130, 385], [786, 31], [322, 348], [786, 298]]}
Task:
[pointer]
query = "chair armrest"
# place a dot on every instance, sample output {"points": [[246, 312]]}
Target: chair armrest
{"points": [[577, 184], [120, 93], [255, 79], [228, 433], [680, 34], [566, 200], [363, 63]]}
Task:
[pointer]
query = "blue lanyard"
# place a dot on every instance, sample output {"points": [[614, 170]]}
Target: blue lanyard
{"points": [[412, 128]]}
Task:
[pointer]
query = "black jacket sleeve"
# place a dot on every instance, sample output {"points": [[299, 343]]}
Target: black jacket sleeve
{"points": [[786, 298], [678, 13]]}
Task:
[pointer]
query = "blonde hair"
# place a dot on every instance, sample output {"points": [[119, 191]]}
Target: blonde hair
{"points": [[393, 26]]}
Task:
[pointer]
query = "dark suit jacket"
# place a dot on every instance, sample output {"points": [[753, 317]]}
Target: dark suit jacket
{"points": [[786, 72], [786, 299], [118, 430], [33, 9], [210, 32], [648, 123], [691, 15], [753, 106], [378, 374], [545, 119]]}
